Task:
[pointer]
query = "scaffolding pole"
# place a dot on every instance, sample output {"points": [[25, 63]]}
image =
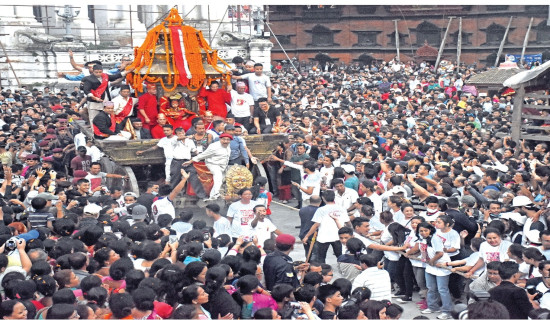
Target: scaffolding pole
{"points": [[397, 40], [525, 41], [459, 44], [501, 47], [442, 46]]}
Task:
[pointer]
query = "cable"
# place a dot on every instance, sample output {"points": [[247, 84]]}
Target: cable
{"points": [[280, 45]]}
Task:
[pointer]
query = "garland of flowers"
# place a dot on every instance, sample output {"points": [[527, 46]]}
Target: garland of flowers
{"points": [[194, 43]]}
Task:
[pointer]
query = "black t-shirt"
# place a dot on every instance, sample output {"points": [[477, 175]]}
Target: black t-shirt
{"points": [[327, 315], [271, 114]]}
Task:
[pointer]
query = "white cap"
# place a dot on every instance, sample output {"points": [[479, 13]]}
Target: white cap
{"points": [[397, 189], [516, 216], [521, 201], [348, 168]]}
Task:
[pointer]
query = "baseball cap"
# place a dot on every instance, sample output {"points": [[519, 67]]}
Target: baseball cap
{"points": [[521, 201], [348, 168], [47, 196], [138, 211]]}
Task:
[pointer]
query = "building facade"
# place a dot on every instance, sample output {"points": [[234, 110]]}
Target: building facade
{"points": [[357, 33]]}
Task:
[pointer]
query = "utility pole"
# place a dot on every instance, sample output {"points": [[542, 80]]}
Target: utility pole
{"points": [[525, 41], [503, 42], [442, 46]]}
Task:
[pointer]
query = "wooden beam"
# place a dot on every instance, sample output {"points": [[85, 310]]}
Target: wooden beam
{"points": [[516, 114], [442, 46], [397, 40], [525, 41], [503, 42], [537, 137], [459, 44]]}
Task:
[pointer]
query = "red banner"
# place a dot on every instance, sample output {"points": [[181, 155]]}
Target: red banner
{"points": [[178, 55]]}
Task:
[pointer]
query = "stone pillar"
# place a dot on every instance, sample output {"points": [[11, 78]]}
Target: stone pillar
{"points": [[114, 25], [83, 28], [260, 52]]}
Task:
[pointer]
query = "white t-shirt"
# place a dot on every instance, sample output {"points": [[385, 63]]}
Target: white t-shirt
{"points": [[545, 300], [430, 251], [376, 202], [489, 253], [163, 206], [242, 215], [450, 240], [222, 226], [95, 179], [240, 104], [386, 237], [345, 200], [328, 230], [257, 85], [167, 145], [263, 230], [472, 260]]}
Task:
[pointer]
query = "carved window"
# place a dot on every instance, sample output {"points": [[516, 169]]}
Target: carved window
{"points": [[282, 9], [322, 36], [497, 8], [465, 38], [284, 39], [495, 33], [366, 9], [429, 32], [543, 32], [367, 38]]}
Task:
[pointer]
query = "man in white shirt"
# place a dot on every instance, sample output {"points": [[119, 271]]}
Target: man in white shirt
{"points": [[263, 228], [221, 224], [166, 143], [376, 279], [124, 103], [181, 151], [242, 105], [259, 84], [345, 197], [216, 157], [328, 219]]}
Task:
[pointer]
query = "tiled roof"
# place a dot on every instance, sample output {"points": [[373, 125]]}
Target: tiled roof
{"points": [[492, 76]]}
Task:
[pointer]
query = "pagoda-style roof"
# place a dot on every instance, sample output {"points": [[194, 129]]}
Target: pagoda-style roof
{"points": [[426, 51], [492, 77]]}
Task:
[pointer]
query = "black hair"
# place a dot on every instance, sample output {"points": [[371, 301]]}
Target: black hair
{"points": [[121, 305], [144, 299], [426, 225], [344, 286], [487, 310], [305, 293], [372, 308], [61, 310], [191, 271], [281, 291], [508, 269], [313, 278], [325, 292], [64, 295]]}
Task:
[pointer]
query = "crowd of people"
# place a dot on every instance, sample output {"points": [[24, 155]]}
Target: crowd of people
{"points": [[413, 183]]}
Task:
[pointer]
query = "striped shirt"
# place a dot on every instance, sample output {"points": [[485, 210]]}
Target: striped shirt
{"points": [[39, 219]]}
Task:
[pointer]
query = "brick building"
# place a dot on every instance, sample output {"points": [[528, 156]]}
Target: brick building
{"points": [[365, 33]]}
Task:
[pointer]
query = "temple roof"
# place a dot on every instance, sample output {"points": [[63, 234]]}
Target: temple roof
{"points": [[426, 51]]}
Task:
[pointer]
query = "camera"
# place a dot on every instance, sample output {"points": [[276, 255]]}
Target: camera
{"points": [[206, 234], [532, 290], [294, 305], [478, 295], [11, 243]]}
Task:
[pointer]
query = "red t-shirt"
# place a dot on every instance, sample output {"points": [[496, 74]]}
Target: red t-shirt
{"points": [[216, 101], [157, 132]]}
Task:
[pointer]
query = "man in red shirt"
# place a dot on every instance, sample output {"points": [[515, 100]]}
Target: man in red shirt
{"points": [[157, 132], [148, 107], [216, 98], [81, 161]]}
